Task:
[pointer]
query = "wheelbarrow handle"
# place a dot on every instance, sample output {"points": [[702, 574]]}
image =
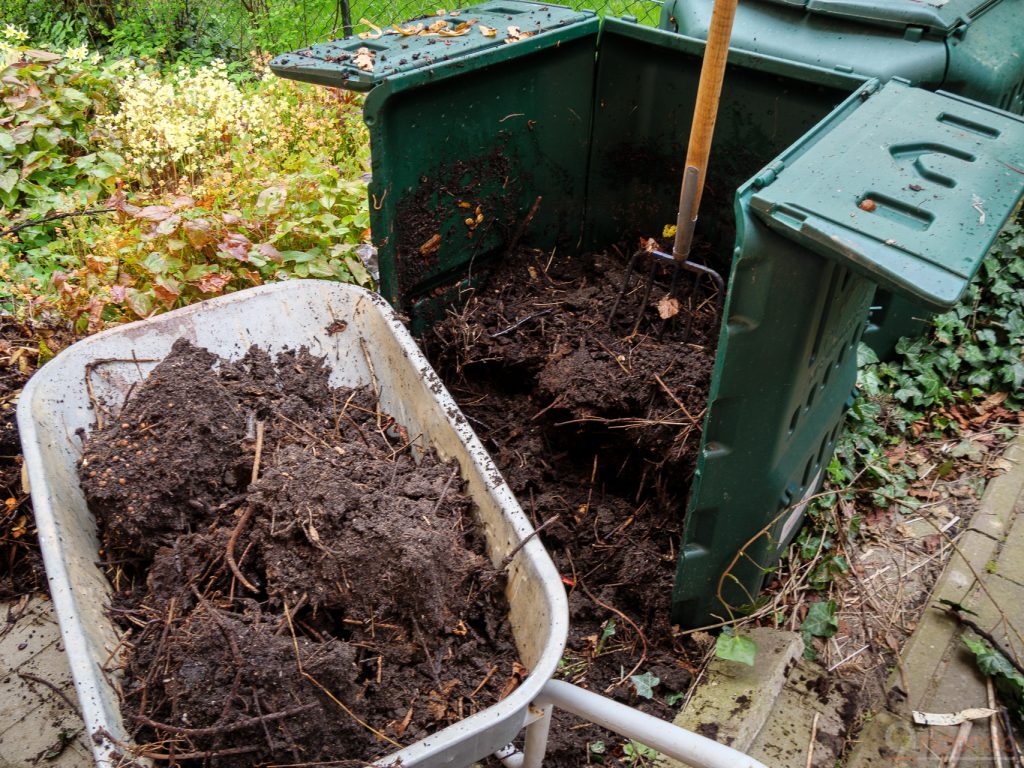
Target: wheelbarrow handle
{"points": [[670, 740], [709, 92]]}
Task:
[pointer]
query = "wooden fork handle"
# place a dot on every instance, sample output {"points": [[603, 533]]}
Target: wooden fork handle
{"points": [[709, 92]]}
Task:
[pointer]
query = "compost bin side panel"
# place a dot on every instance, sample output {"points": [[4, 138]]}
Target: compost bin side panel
{"points": [[458, 164], [786, 367], [643, 107]]}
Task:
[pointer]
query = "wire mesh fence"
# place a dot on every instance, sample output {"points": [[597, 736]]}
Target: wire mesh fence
{"points": [[317, 20]]}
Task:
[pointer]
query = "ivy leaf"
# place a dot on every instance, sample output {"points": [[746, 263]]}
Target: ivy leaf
{"points": [[645, 684], [733, 647], [1007, 680], [865, 355], [821, 621]]}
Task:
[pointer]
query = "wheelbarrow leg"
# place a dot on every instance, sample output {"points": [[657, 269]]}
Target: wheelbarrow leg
{"points": [[537, 739], [536, 742]]}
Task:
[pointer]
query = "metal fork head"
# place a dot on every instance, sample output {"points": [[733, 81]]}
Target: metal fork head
{"points": [[660, 259]]}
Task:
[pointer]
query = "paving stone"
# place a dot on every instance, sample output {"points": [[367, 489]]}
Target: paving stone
{"points": [[735, 700], [38, 726], [1010, 563], [941, 671], [785, 737]]}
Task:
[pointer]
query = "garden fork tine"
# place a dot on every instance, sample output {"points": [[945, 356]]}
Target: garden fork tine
{"points": [[709, 92]]}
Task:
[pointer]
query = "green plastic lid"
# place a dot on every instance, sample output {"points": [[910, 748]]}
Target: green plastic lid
{"points": [[934, 15], [425, 42], [910, 189]]}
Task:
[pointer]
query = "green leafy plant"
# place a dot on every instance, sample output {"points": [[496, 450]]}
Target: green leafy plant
{"points": [[638, 753], [607, 633], [50, 157], [821, 621], [645, 684], [1005, 677], [732, 646]]}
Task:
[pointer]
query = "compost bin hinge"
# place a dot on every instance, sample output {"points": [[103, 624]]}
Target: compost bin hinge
{"points": [[769, 174]]}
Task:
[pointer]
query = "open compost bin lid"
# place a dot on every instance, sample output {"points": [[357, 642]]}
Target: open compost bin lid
{"points": [[482, 31], [935, 16], [909, 188]]}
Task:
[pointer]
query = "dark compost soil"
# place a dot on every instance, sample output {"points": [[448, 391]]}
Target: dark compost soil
{"points": [[335, 606], [596, 430], [21, 565]]}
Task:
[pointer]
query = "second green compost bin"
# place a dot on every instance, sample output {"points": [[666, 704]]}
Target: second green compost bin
{"points": [[973, 48], [601, 139]]}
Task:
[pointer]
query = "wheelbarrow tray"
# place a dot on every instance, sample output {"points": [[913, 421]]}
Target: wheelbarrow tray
{"points": [[349, 326]]}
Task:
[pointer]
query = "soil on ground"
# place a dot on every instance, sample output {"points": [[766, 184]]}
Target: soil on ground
{"points": [[596, 428], [294, 585], [21, 566]]}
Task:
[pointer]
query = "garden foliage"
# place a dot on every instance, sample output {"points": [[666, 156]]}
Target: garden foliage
{"points": [[183, 185]]}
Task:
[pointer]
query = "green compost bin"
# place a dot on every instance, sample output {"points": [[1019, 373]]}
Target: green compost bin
{"points": [[463, 132], [940, 172], [601, 139], [974, 48]]}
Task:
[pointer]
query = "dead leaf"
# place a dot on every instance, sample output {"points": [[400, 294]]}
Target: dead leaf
{"points": [[415, 29], [487, 31], [515, 34], [374, 34], [168, 226], [519, 673], [431, 246], [400, 728], [43, 56], [1002, 464], [236, 245], [364, 59], [153, 212], [213, 283], [668, 307], [181, 201], [198, 232], [459, 31], [268, 251]]}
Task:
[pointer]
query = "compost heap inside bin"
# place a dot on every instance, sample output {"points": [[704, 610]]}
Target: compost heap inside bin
{"points": [[293, 586], [597, 432]]}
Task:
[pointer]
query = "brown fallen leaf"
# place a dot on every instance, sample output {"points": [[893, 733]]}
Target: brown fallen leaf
{"points": [[519, 673], [400, 728], [364, 59], [436, 27], [668, 307], [487, 31], [415, 29], [372, 35], [515, 34], [459, 31], [431, 246]]}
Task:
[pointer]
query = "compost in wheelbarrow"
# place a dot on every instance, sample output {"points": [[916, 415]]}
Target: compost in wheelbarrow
{"points": [[296, 586], [597, 434]]}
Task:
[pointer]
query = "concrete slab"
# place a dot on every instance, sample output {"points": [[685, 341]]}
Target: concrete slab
{"points": [[734, 701], [39, 721], [785, 739], [941, 672], [998, 609]]}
